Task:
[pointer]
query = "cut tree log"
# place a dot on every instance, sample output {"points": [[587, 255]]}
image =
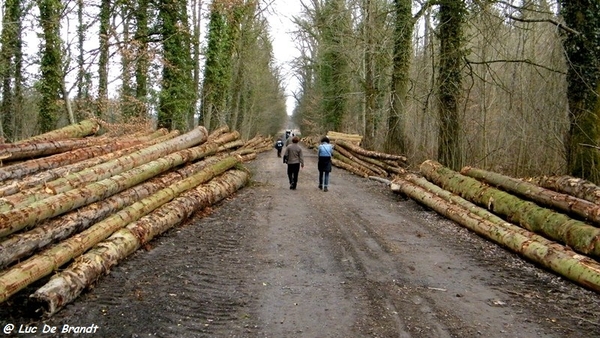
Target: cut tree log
{"points": [[59, 160], [78, 130], [586, 210], [357, 166], [19, 276], [551, 255], [373, 154], [573, 186], [29, 150], [352, 138], [578, 235], [348, 167], [12, 187], [389, 168], [22, 245], [104, 170], [17, 219], [377, 170], [65, 287], [218, 132]]}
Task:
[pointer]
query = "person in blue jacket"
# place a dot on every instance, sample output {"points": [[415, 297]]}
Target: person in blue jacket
{"points": [[325, 151]]}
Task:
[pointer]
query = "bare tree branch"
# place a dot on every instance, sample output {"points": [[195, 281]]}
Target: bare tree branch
{"points": [[514, 61], [552, 21]]}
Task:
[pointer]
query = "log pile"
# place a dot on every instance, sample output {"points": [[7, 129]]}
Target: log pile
{"points": [[549, 227], [74, 196], [350, 156]]}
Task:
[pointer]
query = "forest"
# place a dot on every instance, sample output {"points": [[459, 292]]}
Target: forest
{"points": [[509, 86]]}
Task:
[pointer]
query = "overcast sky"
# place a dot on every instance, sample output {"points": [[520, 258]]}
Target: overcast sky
{"points": [[283, 46]]}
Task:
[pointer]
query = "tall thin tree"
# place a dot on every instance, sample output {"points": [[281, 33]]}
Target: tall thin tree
{"points": [[582, 48]]}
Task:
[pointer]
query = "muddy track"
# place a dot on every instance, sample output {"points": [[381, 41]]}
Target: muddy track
{"points": [[357, 261]]}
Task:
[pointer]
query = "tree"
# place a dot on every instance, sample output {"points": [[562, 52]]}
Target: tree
{"points": [[217, 68], [105, 12], [450, 29], [334, 23], [582, 48], [177, 90], [403, 30], [51, 81], [11, 63]]}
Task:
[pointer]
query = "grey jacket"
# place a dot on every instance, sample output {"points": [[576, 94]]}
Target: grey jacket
{"points": [[293, 154]]}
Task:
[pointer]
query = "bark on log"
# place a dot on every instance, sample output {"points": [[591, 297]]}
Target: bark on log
{"points": [[218, 132], [65, 287], [369, 153], [22, 245], [551, 255], [104, 170], [573, 186], [357, 166], [12, 187], [59, 160], [348, 167], [40, 265], [17, 219], [578, 235], [352, 138], [29, 150], [562, 202], [377, 170], [81, 129], [390, 169]]}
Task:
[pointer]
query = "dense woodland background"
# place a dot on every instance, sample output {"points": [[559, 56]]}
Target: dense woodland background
{"points": [[511, 86]]}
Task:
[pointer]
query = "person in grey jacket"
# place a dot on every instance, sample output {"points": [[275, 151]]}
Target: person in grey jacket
{"points": [[294, 160]]}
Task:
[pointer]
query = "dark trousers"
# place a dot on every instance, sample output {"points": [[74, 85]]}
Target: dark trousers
{"points": [[292, 170]]}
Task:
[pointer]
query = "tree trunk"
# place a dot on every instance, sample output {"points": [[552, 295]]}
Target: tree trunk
{"points": [[32, 166], [564, 203], [582, 50], [578, 235], [375, 169], [21, 245], [104, 170], [573, 186], [16, 219], [12, 152], [581, 270], [395, 141], [374, 154], [357, 166], [352, 169], [81, 129], [389, 168], [38, 266], [10, 188], [451, 16], [66, 286]]}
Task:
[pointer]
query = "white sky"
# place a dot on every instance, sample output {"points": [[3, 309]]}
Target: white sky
{"points": [[283, 46]]}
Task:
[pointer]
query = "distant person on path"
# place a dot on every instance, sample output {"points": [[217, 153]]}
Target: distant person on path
{"points": [[294, 160], [290, 139], [279, 146], [324, 165]]}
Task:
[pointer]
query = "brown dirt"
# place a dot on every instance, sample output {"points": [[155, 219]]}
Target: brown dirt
{"points": [[357, 261]]}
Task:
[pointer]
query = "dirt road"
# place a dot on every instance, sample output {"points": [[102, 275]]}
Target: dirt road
{"points": [[357, 261]]}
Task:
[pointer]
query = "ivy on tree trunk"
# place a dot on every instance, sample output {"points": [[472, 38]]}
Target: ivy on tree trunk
{"points": [[583, 92]]}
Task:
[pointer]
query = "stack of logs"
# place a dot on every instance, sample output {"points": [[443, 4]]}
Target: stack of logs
{"points": [[349, 155], [552, 221], [72, 196]]}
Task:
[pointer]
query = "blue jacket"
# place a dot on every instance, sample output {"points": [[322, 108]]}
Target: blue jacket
{"points": [[325, 150]]}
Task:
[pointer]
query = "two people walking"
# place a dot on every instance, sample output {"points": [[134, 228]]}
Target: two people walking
{"points": [[294, 159]]}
